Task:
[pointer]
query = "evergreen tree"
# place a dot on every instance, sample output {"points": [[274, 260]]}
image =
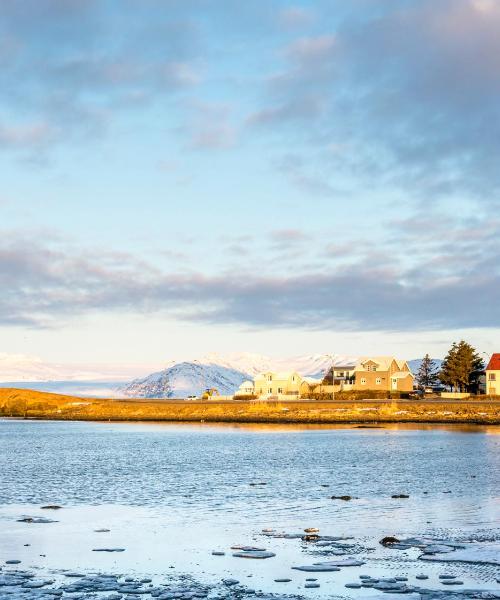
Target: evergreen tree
{"points": [[427, 373], [459, 364]]}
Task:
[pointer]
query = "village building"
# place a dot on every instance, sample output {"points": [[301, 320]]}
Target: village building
{"points": [[284, 383], [370, 373], [383, 373], [493, 375]]}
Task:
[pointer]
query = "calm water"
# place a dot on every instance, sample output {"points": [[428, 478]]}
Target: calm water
{"points": [[170, 494]]}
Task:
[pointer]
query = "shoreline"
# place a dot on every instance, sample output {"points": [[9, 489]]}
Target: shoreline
{"points": [[33, 405]]}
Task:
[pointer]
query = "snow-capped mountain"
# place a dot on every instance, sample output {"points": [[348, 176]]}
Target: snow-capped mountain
{"points": [[185, 379], [225, 374]]}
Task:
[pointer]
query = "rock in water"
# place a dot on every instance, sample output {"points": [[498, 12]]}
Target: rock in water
{"points": [[254, 554], [388, 540]]}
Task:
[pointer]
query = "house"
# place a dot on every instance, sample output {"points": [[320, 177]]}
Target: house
{"points": [[308, 385], [493, 376], [246, 389], [286, 383], [383, 373]]}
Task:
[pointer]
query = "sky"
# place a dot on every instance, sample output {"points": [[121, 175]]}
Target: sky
{"points": [[279, 177]]}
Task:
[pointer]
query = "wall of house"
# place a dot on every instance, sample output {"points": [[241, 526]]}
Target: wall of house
{"points": [[371, 380], [264, 387], [493, 385]]}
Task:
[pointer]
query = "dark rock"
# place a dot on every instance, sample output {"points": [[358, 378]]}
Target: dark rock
{"points": [[400, 496], [389, 540], [310, 537], [345, 498], [51, 507]]}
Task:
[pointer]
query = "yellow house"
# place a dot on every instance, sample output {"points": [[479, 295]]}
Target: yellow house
{"points": [[271, 383], [493, 376]]}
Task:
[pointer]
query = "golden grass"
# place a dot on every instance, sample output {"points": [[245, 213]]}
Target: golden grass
{"points": [[41, 405]]}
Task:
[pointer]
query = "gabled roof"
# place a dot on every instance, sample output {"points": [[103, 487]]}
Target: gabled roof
{"points": [[278, 376], [401, 374], [247, 384], [384, 362], [312, 380], [494, 364]]}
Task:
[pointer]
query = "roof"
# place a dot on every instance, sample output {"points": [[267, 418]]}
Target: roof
{"points": [[494, 364], [247, 384], [311, 380], [401, 374], [384, 362], [278, 376]]}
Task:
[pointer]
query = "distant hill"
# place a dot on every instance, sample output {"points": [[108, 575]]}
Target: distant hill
{"points": [[185, 379]]}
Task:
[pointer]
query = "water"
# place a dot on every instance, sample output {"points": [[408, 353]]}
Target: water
{"points": [[170, 494]]}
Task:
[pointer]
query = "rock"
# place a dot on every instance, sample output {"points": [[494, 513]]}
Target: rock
{"points": [[254, 554], [346, 498], [311, 584], [400, 496], [35, 520], [400, 578], [421, 576], [353, 585], [316, 568], [12, 562], [35, 583], [437, 549], [284, 580], [51, 507], [348, 562], [230, 582], [217, 553], [108, 550], [452, 582], [102, 530], [389, 540], [311, 530], [310, 537], [248, 548], [447, 576]]}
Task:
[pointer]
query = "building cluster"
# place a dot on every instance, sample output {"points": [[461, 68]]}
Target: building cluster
{"points": [[385, 373]]}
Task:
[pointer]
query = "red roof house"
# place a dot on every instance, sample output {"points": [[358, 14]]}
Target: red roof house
{"points": [[494, 364]]}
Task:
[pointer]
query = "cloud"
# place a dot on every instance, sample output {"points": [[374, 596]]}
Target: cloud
{"points": [[47, 284], [77, 66], [295, 17], [412, 86]]}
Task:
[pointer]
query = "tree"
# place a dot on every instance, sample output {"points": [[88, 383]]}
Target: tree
{"points": [[459, 365], [427, 373]]}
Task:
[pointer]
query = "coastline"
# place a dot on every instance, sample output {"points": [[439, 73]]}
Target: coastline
{"points": [[29, 404]]}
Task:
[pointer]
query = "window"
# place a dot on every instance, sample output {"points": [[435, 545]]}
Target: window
{"points": [[378, 381], [363, 381], [280, 390], [269, 377], [293, 377], [492, 376], [269, 390]]}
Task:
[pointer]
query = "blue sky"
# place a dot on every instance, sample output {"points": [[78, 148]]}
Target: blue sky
{"points": [[279, 177]]}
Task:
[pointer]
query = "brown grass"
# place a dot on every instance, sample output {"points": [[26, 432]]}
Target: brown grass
{"points": [[41, 405]]}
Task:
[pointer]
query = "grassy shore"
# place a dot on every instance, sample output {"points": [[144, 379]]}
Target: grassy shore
{"points": [[41, 405]]}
